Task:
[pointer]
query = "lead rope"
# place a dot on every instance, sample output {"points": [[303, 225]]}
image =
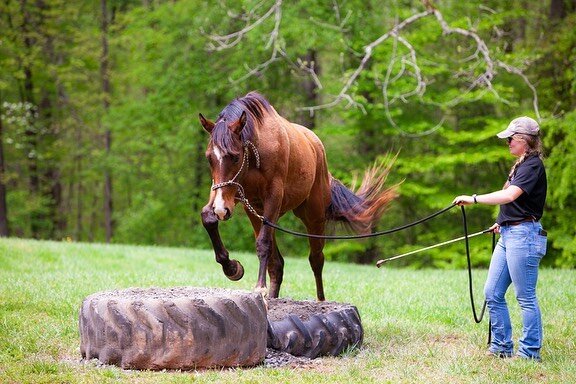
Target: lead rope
{"points": [[349, 237], [471, 290]]}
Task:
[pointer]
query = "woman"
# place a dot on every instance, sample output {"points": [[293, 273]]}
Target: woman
{"points": [[522, 241]]}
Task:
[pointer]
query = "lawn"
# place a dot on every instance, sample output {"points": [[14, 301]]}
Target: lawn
{"points": [[418, 323]]}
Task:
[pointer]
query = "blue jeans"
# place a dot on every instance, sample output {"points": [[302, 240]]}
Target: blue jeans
{"points": [[515, 260]]}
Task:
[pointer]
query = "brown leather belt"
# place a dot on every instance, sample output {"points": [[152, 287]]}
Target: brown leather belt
{"points": [[527, 219]]}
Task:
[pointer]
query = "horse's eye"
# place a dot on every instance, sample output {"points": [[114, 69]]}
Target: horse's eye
{"points": [[235, 159]]}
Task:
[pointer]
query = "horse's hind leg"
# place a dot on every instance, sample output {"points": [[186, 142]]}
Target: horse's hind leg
{"points": [[316, 259], [315, 224], [275, 263], [275, 271], [316, 256]]}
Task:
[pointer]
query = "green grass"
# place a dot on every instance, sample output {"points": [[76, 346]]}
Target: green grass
{"points": [[418, 324]]}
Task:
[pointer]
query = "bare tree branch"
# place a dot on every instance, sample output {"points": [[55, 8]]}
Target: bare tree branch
{"points": [[488, 75], [344, 95], [260, 68], [480, 58], [518, 72], [221, 42]]}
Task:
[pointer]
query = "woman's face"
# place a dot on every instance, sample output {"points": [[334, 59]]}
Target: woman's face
{"points": [[517, 145]]}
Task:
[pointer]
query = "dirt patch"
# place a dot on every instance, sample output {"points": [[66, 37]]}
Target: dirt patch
{"points": [[279, 309], [274, 359], [155, 293]]}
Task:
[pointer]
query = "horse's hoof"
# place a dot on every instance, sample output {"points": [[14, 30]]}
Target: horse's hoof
{"points": [[238, 271], [263, 291]]}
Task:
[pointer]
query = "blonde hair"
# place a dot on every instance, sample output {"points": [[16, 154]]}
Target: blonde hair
{"points": [[534, 148]]}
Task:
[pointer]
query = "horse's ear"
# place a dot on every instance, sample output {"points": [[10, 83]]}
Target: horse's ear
{"points": [[207, 124], [238, 125]]}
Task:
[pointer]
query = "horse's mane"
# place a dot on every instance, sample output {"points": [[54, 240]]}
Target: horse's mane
{"points": [[256, 107]]}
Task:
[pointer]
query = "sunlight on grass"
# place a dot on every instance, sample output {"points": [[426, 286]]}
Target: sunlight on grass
{"points": [[418, 324]]}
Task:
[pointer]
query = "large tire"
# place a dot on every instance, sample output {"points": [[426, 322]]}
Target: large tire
{"points": [[312, 329], [178, 328]]}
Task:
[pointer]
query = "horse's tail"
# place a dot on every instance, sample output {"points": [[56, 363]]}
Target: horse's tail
{"points": [[362, 209]]}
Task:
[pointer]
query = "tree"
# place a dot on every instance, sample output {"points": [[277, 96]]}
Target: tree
{"points": [[106, 95], [4, 229]]}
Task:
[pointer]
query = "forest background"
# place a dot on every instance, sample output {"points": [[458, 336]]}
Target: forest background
{"points": [[99, 102]]}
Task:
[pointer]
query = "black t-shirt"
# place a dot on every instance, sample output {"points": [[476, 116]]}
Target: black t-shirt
{"points": [[530, 176]]}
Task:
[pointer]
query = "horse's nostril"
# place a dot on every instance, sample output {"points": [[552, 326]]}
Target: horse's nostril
{"points": [[223, 213]]}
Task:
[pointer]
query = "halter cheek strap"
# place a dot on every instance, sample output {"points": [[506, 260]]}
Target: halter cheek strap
{"points": [[245, 161], [247, 145]]}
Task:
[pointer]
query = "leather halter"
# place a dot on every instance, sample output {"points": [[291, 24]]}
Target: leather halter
{"points": [[245, 161]]}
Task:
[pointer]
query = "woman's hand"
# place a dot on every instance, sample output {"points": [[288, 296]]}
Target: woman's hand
{"points": [[463, 200], [495, 228]]}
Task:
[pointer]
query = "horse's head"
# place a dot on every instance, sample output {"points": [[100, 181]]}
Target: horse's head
{"points": [[225, 154]]}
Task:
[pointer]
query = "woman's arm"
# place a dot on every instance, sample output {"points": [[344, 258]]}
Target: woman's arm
{"points": [[503, 196]]}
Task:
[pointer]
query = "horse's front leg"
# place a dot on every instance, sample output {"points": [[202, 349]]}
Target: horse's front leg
{"points": [[232, 268]]}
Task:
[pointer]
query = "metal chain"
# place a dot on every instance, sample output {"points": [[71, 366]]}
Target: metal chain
{"points": [[254, 150], [246, 203]]}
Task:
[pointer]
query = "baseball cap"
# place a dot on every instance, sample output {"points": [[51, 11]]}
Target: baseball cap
{"points": [[522, 124]]}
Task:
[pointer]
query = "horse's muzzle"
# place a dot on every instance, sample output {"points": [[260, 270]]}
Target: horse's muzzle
{"points": [[223, 214]]}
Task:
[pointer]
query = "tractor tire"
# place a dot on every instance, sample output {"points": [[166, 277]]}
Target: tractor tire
{"points": [[312, 329], [178, 328]]}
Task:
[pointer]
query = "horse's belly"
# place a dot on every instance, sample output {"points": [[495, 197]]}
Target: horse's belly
{"points": [[300, 185], [302, 182]]}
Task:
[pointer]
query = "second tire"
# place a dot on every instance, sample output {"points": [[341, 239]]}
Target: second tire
{"points": [[312, 329]]}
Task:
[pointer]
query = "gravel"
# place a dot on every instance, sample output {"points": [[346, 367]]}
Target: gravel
{"points": [[277, 359]]}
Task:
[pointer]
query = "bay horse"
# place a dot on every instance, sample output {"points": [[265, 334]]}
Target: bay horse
{"points": [[274, 166]]}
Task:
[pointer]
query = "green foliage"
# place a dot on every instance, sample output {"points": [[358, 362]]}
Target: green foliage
{"points": [[344, 251], [562, 178], [163, 74]]}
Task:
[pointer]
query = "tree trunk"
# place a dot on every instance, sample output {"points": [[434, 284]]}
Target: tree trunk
{"points": [[31, 134], [310, 89], [4, 229], [105, 78], [75, 195], [51, 174], [50, 103], [94, 219], [557, 10], [78, 231], [199, 171]]}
